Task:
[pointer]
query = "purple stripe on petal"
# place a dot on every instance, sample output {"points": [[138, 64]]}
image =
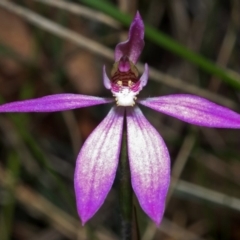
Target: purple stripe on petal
{"points": [[135, 43], [194, 110], [149, 164], [97, 164], [53, 103]]}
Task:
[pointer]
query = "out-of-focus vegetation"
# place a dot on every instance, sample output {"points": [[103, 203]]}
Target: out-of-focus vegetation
{"points": [[54, 46]]}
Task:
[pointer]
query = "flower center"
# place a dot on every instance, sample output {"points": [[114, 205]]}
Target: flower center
{"points": [[125, 82]]}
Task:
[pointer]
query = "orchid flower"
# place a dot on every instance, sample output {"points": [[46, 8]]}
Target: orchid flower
{"points": [[148, 155]]}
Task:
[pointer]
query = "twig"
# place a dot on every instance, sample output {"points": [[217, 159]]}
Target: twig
{"points": [[181, 161], [12, 139], [223, 169], [207, 195], [199, 192], [82, 11], [224, 54], [177, 232], [171, 229], [49, 233], [60, 31], [60, 220]]}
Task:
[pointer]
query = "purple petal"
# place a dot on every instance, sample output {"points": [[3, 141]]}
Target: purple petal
{"points": [[144, 77], [149, 164], [97, 164], [194, 110], [106, 80], [53, 103], [135, 43]]}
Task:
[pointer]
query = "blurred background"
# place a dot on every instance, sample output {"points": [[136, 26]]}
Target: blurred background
{"points": [[57, 46]]}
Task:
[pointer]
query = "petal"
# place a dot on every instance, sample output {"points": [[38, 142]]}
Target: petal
{"points": [[97, 164], [144, 78], [106, 80], [53, 103], [135, 43], [149, 164], [194, 110]]}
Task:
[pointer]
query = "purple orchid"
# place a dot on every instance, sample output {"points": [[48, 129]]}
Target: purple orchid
{"points": [[148, 155]]}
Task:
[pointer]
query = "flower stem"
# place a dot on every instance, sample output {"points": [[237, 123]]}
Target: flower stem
{"points": [[125, 191]]}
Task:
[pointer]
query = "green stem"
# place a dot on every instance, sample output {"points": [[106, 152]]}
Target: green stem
{"points": [[7, 216], [168, 43], [125, 191]]}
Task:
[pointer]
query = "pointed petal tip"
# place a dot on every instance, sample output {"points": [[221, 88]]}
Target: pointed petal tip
{"points": [[83, 222], [157, 223], [144, 77], [135, 43], [156, 218], [85, 219], [138, 20], [86, 210], [106, 80], [155, 213], [138, 15]]}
